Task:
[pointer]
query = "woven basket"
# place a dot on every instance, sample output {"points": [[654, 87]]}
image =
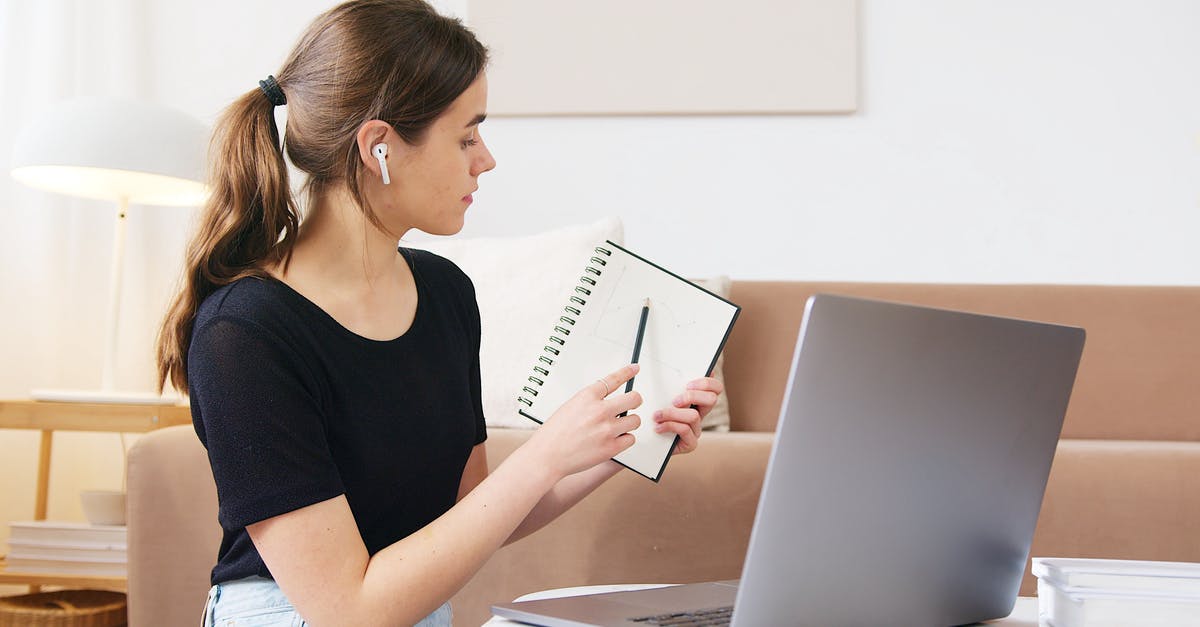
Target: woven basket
{"points": [[64, 608]]}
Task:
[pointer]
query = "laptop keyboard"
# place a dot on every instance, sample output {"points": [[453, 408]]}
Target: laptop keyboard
{"points": [[715, 616]]}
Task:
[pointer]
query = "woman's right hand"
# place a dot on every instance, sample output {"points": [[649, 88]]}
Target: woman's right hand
{"points": [[587, 429]]}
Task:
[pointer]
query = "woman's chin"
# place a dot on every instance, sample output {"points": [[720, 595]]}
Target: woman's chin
{"points": [[447, 227]]}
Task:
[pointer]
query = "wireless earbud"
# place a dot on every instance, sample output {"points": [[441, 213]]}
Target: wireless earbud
{"points": [[380, 152]]}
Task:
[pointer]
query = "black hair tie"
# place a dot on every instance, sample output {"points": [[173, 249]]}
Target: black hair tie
{"points": [[270, 87]]}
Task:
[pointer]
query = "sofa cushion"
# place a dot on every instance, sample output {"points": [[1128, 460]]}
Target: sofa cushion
{"points": [[1121, 499]]}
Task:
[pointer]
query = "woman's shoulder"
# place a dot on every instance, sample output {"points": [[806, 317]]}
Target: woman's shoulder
{"points": [[443, 278], [258, 300], [434, 266]]}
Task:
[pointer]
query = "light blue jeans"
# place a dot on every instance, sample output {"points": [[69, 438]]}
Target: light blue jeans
{"points": [[258, 602]]}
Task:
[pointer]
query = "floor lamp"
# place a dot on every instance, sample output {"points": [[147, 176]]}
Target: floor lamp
{"points": [[123, 152]]}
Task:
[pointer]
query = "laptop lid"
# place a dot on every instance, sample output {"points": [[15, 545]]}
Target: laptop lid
{"points": [[909, 465], [905, 480]]}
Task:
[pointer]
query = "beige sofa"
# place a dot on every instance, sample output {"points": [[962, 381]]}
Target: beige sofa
{"points": [[1124, 481]]}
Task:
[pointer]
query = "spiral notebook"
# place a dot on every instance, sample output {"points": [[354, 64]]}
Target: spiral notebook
{"points": [[594, 334]]}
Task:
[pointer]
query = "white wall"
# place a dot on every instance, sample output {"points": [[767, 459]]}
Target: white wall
{"points": [[995, 142]]}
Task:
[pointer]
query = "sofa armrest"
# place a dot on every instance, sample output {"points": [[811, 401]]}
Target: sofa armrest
{"points": [[694, 525], [173, 529]]}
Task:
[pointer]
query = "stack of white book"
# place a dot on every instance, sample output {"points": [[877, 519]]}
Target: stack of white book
{"points": [[1075, 592], [67, 548]]}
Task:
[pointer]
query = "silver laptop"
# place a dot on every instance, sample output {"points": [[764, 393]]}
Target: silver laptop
{"points": [[905, 479]]}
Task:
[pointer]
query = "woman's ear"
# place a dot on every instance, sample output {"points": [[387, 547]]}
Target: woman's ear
{"points": [[372, 134]]}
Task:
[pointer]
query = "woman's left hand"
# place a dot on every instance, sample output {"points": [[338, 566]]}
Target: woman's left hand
{"points": [[683, 419]]}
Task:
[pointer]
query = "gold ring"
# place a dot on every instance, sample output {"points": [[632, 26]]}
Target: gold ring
{"points": [[606, 390]]}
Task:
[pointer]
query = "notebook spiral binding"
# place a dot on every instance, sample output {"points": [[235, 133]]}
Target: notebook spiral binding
{"points": [[562, 330]]}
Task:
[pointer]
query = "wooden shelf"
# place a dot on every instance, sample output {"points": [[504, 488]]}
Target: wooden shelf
{"points": [[113, 417], [104, 582], [48, 417]]}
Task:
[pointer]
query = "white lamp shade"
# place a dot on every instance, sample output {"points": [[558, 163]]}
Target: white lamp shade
{"points": [[114, 150]]}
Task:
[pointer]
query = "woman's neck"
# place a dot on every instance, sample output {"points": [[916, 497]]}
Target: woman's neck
{"points": [[337, 243], [351, 269]]}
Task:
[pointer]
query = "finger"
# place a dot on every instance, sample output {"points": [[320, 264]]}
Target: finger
{"points": [[622, 442], [707, 383], [620, 403], [688, 416], [679, 416], [695, 397], [687, 438], [686, 445], [613, 381], [688, 441], [625, 424]]}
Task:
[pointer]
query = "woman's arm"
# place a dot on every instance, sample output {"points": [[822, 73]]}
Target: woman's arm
{"points": [[565, 494], [319, 560]]}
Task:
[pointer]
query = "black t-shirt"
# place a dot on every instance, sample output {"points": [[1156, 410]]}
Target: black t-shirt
{"points": [[295, 409]]}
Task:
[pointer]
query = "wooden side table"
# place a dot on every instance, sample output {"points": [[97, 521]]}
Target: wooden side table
{"points": [[49, 417]]}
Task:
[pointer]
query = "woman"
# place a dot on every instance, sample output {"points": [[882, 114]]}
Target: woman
{"points": [[334, 382]]}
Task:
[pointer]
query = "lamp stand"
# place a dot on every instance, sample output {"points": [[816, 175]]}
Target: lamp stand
{"points": [[108, 373], [115, 275]]}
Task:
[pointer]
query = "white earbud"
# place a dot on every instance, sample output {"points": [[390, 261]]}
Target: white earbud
{"points": [[380, 152]]}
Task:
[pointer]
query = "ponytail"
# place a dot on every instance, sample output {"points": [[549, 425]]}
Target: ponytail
{"points": [[249, 221]]}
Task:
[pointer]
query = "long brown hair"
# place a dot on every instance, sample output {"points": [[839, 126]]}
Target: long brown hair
{"points": [[393, 60]]}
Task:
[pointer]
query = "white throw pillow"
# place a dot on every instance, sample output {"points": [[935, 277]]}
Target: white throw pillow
{"points": [[520, 284]]}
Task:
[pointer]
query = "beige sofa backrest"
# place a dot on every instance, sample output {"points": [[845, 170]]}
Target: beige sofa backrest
{"points": [[1137, 380]]}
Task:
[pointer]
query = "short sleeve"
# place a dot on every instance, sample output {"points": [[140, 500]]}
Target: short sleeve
{"points": [[475, 331], [469, 309], [257, 412]]}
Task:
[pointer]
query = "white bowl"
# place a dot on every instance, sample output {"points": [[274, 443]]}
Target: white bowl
{"points": [[103, 507]]}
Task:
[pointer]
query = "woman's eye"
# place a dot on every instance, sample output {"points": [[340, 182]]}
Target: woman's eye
{"points": [[470, 141]]}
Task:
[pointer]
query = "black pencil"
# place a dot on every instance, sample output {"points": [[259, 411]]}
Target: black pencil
{"points": [[637, 343]]}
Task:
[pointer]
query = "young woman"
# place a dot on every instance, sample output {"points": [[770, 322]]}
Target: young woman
{"points": [[334, 378]]}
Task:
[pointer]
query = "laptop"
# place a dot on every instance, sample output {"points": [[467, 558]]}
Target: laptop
{"points": [[904, 483]]}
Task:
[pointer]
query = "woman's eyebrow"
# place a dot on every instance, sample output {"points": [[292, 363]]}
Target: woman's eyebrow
{"points": [[477, 120]]}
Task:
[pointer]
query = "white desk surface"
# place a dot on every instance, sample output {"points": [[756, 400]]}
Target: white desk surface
{"points": [[1025, 613]]}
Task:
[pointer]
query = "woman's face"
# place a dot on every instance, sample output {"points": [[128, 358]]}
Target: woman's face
{"points": [[432, 182]]}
